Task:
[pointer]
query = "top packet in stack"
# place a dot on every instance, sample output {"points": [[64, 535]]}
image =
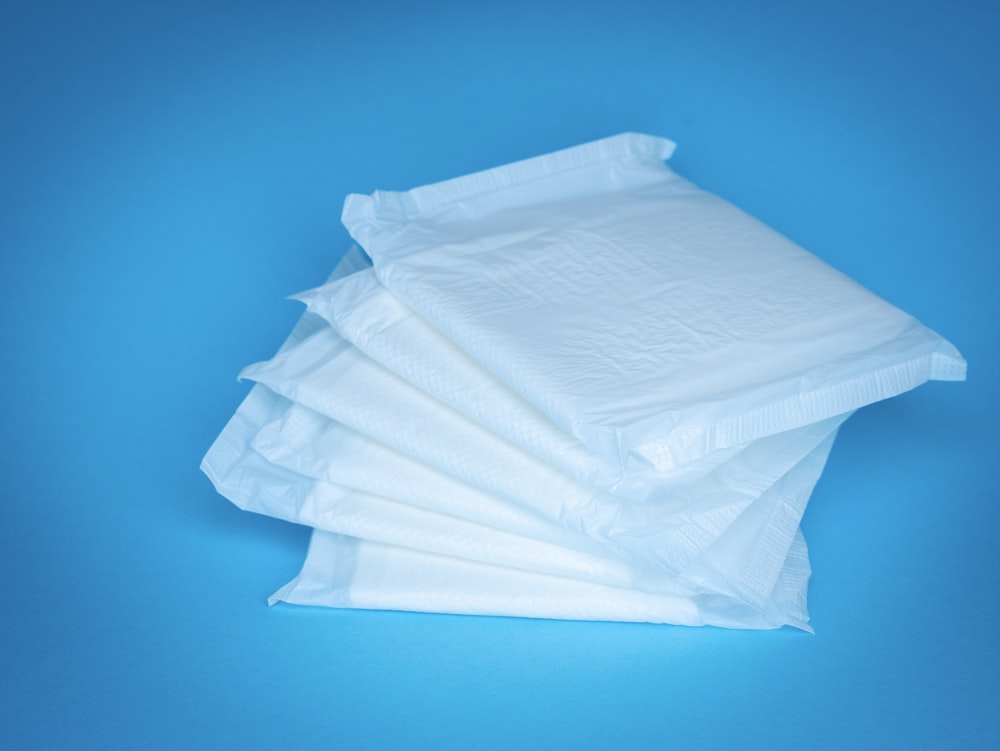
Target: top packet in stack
{"points": [[657, 324]]}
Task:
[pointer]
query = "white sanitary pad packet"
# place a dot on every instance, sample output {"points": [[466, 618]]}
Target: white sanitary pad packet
{"points": [[381, 327], [328, 375], [343, 572], [305, 442], [252, 483], [743, 561], [707, 521], [653, 321]]}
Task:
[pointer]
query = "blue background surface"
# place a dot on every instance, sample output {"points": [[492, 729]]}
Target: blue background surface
{"points": [[170, 172]]}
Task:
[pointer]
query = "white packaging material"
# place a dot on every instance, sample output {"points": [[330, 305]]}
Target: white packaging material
{"points": [[381, 327], [314, 446], [329, 376], [365, 314], [343, 572], [747, 560], [653, 321], [743, 561], [254, 484]]}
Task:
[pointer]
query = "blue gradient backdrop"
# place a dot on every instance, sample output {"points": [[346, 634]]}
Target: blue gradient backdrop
{"points": [[169, 172]]}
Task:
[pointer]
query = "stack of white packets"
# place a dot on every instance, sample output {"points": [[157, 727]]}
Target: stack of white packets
{"points": [[575, 386]]}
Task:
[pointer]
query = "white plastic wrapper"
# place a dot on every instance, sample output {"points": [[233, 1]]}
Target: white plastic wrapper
{"points": [[253, 483], [328, 375], [314, 446], [676, 534], [653, 321], [388, 332], [343, 572], [779, 567]]}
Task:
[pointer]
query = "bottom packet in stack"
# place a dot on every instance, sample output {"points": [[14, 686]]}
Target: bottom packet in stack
{"points": [[345, 572]]}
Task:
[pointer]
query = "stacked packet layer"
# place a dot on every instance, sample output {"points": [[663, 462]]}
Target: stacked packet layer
{"points": [[653, 321]]}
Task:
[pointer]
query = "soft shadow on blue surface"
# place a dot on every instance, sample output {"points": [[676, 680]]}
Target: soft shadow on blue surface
{"points": [[172, 171]]}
